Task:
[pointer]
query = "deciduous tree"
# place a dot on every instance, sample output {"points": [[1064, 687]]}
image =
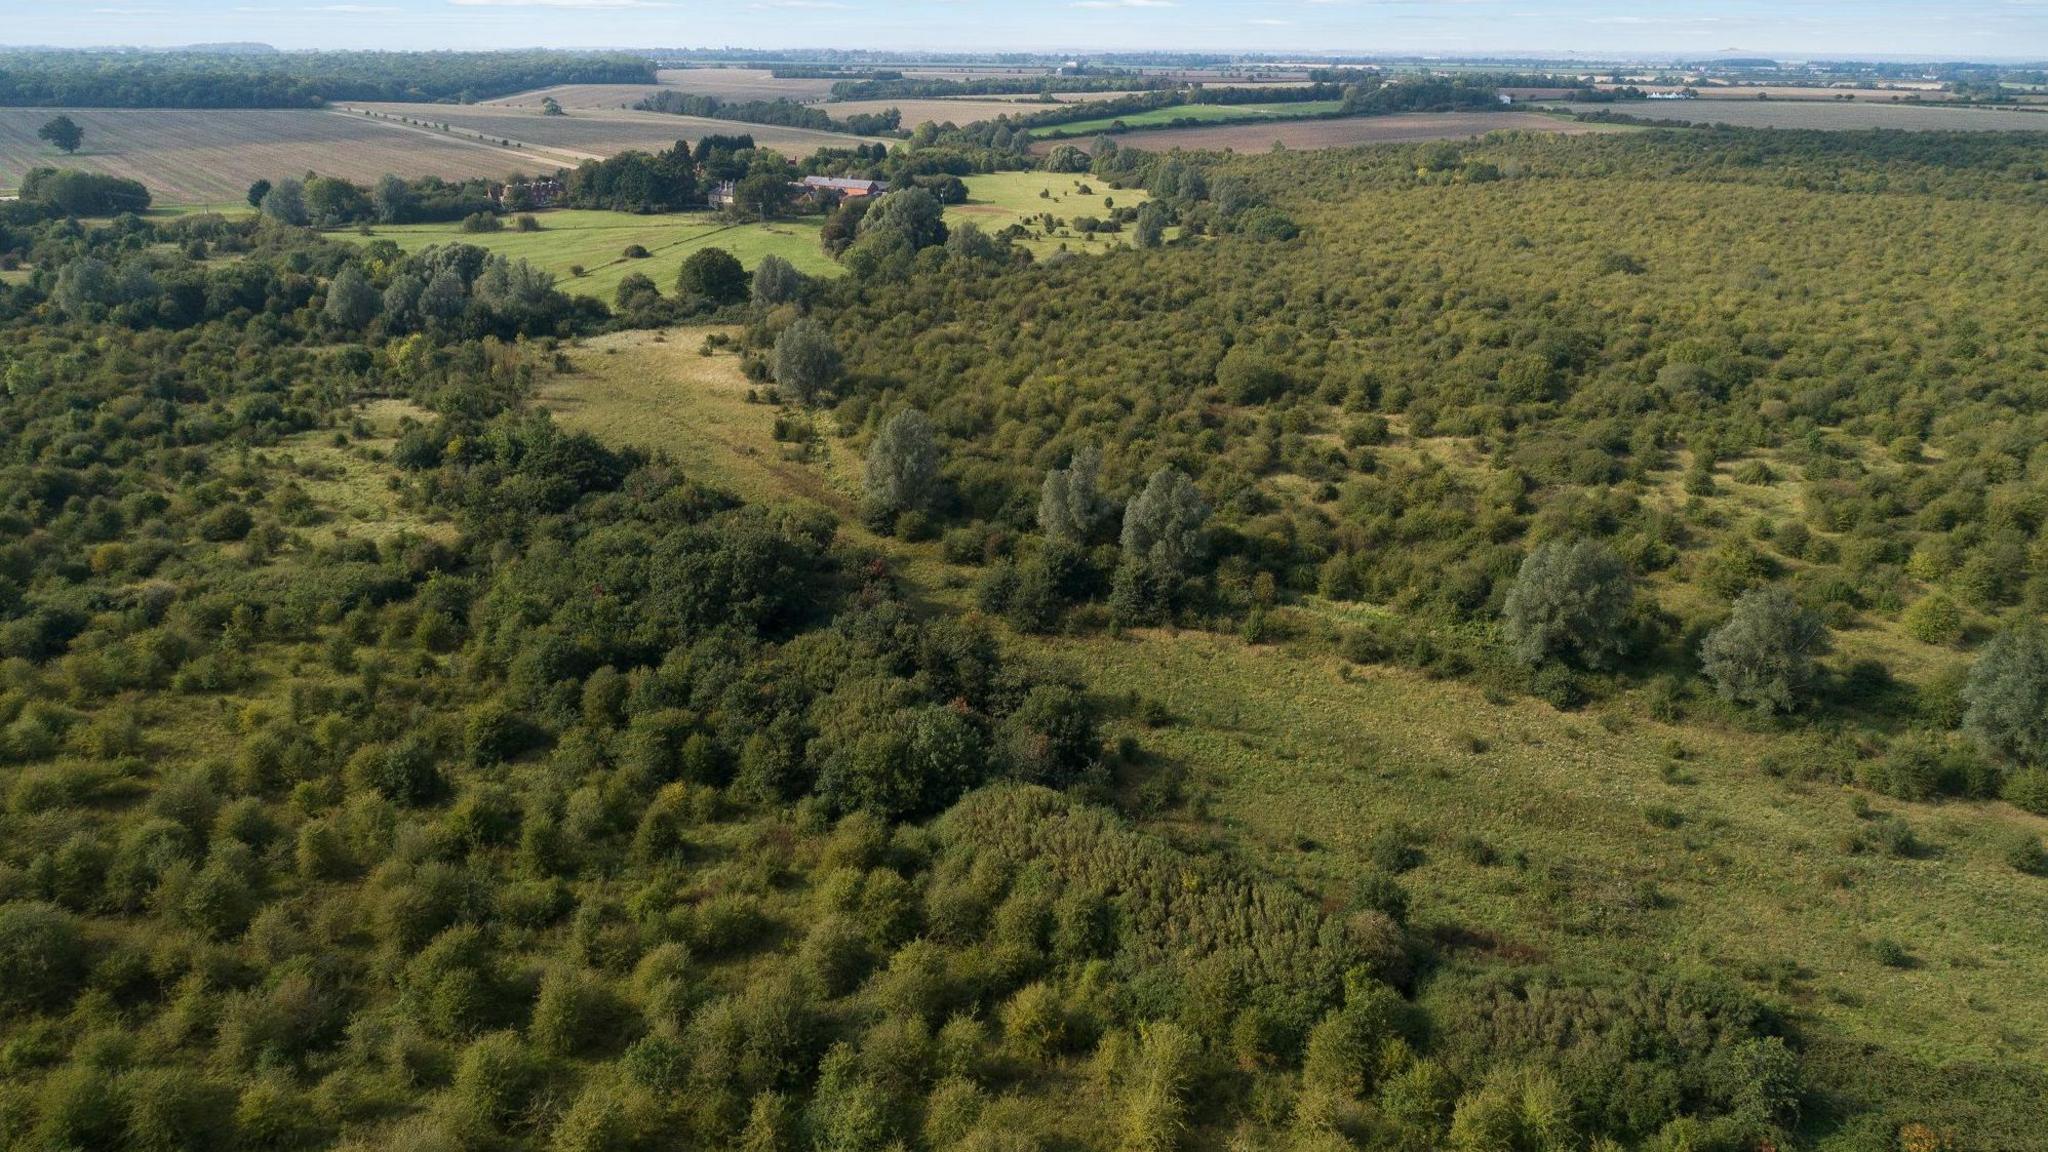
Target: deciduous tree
{"points": [[1570, 602], [1764, 656]]}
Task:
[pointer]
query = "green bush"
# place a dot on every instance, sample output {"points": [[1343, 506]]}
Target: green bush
{"points": [[1764, 656], [576, 1013], [79, 1106], [2025, 853], [178, 1110], [1035, 1023], [2007, 695], [42, 956], [1934, 619], [605, 1117], [2028, 789], [1571, 602], [497, 1077], [715, 275], [1154, 1105], [273, 1116], [835, 952]]}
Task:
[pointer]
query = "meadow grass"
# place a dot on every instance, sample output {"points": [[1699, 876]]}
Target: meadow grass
{"points": [[348, 477], [1602, 839], [596, 241], [1000, 199]]}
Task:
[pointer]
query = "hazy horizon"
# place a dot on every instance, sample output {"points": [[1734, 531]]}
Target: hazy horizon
{"points": [[2003, 30]]}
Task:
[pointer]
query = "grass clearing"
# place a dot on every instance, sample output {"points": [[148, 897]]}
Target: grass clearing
{"points": [[597, 240], [658, 392], [1303, 760], [654, 391], [998, 200], [1602, 838], [350, 482]]}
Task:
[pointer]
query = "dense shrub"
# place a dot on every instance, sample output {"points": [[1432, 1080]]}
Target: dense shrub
{"points": [[1764, 655], [42, 956], [1571, 601]]}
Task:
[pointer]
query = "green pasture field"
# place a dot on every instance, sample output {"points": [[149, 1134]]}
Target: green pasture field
{"points": [[1000, 199], [596, 241]]}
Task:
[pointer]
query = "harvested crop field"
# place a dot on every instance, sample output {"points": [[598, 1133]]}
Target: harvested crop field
{"points": [[724, 83], [743, 84], [1803, 92], [576, 98], [1350, 132], [599, 134], [1834, 115], [193, 157], [962, 111]]}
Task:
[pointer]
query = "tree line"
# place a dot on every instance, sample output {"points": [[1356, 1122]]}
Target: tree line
{"points": [[784, 112], [57, 78]]}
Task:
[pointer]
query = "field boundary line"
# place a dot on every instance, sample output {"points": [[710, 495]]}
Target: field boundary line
{"points": [[472, 139]]}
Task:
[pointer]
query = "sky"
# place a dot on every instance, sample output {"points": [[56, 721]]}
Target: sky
{"points": [[1919, 29]]}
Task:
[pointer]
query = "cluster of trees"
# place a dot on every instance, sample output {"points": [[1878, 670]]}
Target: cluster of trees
{"points": [[680, 178], [784, 112], [330, 202], [55, 193], [169, 276], [582, 806], [1298, 392], [59, 78]]}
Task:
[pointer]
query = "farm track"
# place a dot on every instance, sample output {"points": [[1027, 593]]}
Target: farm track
{"points": [[526, 151]]}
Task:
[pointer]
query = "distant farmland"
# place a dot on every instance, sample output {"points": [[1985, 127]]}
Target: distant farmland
{"points": [[190, 157], [1349, 132], [1220, 113], [1838, 115], [962, 110], [724, 83], [743, 84], [598, 134]]}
